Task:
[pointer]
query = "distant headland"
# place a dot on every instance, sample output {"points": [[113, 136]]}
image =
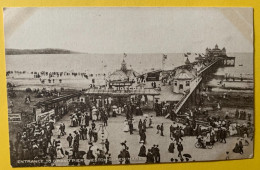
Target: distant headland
{"points": [[38, 51]]}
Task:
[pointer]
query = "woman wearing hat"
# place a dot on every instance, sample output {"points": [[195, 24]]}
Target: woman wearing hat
{"points": [[59, 150], [237, 149], [171, 146], [142, 152]]}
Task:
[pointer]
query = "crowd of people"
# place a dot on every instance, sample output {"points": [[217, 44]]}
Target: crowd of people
{"points": [[36, 140]]}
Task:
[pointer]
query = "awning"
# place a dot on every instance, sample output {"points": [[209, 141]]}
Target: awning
{"points": [[58, 99]]}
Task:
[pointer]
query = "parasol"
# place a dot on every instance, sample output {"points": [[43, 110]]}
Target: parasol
{"points": [[187, 155]]}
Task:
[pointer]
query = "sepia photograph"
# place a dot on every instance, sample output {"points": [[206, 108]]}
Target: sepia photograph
{"points": [[129, 85]]}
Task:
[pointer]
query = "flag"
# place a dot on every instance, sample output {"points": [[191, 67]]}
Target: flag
{"points": [[125, 55], [185, 55]]}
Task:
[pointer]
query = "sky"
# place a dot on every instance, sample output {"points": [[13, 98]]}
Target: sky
{"points": [[129, 30]]}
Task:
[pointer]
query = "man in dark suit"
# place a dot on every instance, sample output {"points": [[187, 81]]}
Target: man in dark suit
{"points": [[162, 128], [149, 157]]}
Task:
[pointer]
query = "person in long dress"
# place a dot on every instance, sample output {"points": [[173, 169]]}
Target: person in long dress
{"points": [[94, 114], [208, 139], [126, 126], [60, 153], [83, 119], [74, 120], [119, 110], [142, 152], [150, 121], [149, 157], [87, 118], [144, 125], [143, 136], [90, 155], [232, 129], [71, 120], [236, 149], [171, 146]]}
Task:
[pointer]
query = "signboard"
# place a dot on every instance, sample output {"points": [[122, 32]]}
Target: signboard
{"points": [[40, 117], [120, 84], [130, 88], [38, 111], [15, 117]]}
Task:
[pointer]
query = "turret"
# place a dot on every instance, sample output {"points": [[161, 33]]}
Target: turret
{"points": [[123, 66]]}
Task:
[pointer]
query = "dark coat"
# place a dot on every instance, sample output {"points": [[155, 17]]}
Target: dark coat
{"points": [[143, 136], [127, 157], [171, 147], [236, 149], [180, 147], [149, 158], [142, 152]]}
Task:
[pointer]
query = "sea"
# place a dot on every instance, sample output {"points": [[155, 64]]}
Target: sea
{"points": [[107, 63], [99, 63]]}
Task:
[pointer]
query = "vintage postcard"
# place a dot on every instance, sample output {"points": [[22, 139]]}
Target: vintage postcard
{"points": [[128, 85]]}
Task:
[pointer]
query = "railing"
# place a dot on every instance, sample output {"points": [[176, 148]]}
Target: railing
{"points": [[208, 66]]}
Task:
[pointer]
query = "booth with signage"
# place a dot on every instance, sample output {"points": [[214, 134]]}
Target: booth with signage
{"points": [[55, 107], [119, 95]]}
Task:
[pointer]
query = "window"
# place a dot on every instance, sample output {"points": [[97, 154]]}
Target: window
{"points": [[181, 87], [187, 83], [175, 83]]}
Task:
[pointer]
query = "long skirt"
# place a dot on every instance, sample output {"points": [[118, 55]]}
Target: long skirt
{"points": [[171, 148]]}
